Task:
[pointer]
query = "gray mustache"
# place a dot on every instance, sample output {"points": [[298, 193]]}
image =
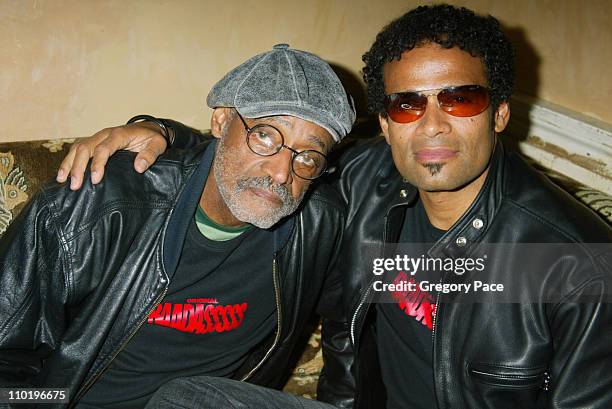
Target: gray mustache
{"points": [[265, 182]]}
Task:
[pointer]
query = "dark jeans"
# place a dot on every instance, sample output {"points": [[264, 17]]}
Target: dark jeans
{"points": [[203, 392]]}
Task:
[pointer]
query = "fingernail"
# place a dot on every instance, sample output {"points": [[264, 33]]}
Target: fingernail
{"points": [[141, 165], [60, 175], [74, 182], [95, 177]]}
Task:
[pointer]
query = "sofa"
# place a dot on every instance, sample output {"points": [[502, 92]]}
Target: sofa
{"points": [[24, 166]]}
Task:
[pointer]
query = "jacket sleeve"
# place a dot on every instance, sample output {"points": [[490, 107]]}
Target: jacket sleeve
{"points": [[336, 384], [184, 136], [581, 326], [33, 293]]}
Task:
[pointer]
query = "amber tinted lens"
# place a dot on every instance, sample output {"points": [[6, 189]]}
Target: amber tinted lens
{"points": [[466, 100], [405, 107]]}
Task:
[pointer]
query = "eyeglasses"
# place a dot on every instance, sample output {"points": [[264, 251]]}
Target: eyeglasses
{"points": [[461, 101], [266, 140]]}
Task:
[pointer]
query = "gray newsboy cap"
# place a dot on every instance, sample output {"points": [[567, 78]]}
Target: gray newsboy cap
{"points": [[285, 81]]}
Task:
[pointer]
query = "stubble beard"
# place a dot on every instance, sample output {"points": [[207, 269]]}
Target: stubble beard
{"points": [[225, 167]]}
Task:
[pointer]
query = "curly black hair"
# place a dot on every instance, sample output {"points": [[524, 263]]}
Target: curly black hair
{"points": [[449, 27]]}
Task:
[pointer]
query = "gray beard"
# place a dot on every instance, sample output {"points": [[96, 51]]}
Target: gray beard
{"points": [[237, 207]]}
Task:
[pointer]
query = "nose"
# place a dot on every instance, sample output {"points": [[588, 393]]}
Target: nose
{"points": [[278, 167], [434, 121]]}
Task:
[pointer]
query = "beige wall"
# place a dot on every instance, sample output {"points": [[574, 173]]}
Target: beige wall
{"points": [[564, 49], [71, 67]]}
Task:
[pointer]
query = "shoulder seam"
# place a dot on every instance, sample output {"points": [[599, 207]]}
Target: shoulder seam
{"points": [[541, 219], [599, 277], [68, 262]]}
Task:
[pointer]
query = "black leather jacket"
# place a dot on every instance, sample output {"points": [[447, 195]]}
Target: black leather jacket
{"points": [[80, 271], [488, 355]]}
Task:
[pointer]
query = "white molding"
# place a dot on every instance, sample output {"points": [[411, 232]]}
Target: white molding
{"points": [[570, 143]]}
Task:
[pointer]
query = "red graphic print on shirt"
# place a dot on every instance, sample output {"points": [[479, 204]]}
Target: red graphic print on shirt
{"points": [[198, 316], [418, 304]]}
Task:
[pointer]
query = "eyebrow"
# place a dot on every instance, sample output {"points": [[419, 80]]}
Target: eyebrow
{"points": [[450, 85], [316, 140], [280, 119]]}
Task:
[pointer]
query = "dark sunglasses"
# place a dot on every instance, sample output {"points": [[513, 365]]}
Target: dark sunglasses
{"points": [[462, 101]]}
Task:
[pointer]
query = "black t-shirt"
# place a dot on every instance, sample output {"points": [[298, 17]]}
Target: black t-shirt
{"points": [[404, 327], [220, 305]]}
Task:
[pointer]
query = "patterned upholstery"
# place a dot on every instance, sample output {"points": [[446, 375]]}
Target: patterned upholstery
{"points": [[24, 166]]}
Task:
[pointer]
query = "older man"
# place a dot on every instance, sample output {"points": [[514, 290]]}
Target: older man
{"points": [[440, 182], [201, 266]]}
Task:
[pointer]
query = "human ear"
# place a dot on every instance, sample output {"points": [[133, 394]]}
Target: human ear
{"points": [[383, 120], [502, 116], [221, 118]]}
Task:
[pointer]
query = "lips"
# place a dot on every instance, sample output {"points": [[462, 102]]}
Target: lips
{"points": [[434, 155], [266, 194]]}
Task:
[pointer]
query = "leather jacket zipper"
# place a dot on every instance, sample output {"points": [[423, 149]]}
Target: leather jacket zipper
{"points": [[92, 380], [278, 317], [354, 320], [433, 342], [541, 379], [365, 294], [435, 317], [433, 324]]}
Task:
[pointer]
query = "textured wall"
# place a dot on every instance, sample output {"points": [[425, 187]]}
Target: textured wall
{"points": [[564, 49], [71, 67]]}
